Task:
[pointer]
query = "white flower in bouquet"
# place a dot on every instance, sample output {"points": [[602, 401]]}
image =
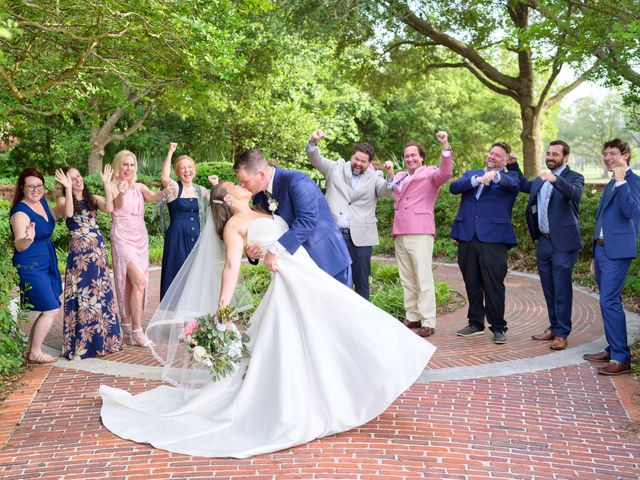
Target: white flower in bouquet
{"points": [[221, 327], [199, 353], [235, 349]]}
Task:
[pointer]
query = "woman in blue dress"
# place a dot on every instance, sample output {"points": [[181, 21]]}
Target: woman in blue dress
{"points": [[91, 322], [187, 204], [34, 256]]}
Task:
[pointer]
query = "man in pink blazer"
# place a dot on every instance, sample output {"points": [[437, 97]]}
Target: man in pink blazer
{"points": [[414, 229]]}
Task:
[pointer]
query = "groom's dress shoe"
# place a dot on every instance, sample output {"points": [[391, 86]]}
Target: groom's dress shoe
{"points": [[615, 367], [425, 331], [546, 335], [602, 356], [559, 343]]}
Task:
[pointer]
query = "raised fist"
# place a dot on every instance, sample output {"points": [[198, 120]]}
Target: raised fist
{"points": [[443, 138], [172, 147], [317, 135]]}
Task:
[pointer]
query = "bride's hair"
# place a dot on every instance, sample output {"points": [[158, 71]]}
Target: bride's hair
{"points": [[220, 211]]}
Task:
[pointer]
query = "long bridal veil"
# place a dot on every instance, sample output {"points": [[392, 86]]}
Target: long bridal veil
{"points": [[194, 292]]}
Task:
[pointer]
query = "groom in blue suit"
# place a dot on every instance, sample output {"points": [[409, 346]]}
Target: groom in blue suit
{"points": [[615, 246], [298, 200], [552, 215]]}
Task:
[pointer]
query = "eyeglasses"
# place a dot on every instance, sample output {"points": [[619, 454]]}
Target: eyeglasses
{"points": [[34, 188]]}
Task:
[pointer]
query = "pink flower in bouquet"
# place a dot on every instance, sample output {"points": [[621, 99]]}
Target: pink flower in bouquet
{"points": [[190, 327]]}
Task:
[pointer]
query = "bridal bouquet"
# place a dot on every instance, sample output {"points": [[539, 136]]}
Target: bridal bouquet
{"points": [[219, 341]]}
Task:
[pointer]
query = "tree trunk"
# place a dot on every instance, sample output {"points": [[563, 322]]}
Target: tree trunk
{"points": [[531, 141], [96, 156]]}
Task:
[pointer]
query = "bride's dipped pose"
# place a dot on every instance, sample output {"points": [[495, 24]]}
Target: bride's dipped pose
{"points": [[323, 359]]}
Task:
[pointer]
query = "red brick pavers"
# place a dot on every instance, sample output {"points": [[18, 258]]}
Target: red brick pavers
{"points": [[561, 423]]}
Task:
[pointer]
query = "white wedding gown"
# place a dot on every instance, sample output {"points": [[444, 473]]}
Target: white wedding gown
{"points": [[323, 360]]}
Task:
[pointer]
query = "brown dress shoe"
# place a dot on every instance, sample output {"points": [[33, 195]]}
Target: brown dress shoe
{"points": [[559, 343], [410, 324], [425, 331], [547, 335], [602, 356], [615, 367]]}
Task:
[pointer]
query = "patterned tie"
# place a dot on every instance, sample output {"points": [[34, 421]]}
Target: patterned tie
{"points": [[608, 190], [544, 211]]}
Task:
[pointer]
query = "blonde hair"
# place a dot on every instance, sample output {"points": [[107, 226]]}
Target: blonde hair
{"points": [[119, 159], [181, 158]]}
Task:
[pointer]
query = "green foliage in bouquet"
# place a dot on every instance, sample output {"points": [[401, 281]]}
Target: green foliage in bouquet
{"points": [[219, 342]]}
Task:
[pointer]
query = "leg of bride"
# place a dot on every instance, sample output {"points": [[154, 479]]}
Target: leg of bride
{"points": [[138, 284], [39, 331]]}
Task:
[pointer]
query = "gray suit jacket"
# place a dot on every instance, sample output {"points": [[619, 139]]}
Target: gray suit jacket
{"points": [[362, 204]]}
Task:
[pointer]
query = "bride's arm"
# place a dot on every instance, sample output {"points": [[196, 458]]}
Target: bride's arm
{"points": [[234, 246]]}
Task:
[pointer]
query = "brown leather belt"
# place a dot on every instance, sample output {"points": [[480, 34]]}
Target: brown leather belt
{"points": [[600, 241], [545, 235]]}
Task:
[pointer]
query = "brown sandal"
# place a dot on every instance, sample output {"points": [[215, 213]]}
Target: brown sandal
{"points": [[42, 358]]}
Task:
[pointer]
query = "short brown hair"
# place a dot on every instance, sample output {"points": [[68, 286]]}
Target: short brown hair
{"points": [[566, 150], [621, 145], [365, 148], [503, 145], [421, 151], [251, 161]]}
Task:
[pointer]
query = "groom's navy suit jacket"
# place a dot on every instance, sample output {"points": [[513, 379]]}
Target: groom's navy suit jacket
{"points": [[306, 211]]}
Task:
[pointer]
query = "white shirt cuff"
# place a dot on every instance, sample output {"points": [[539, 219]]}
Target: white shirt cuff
{"points": [[311, 148]]}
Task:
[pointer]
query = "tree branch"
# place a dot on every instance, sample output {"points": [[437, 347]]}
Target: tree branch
{"points": [[134, 128], [401, 11], [13, 88], [69, 72]]}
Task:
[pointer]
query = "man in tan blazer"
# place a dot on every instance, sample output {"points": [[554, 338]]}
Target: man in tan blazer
{"points": [[353, 189]]}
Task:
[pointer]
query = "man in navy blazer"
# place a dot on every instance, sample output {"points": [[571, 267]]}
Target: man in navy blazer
{"points": [[552, 215], [298, 200], [484, 233], [615, 245]]}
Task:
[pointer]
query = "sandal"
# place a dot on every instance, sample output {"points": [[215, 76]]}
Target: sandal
{"points": [[144, 343], [41, 358]]}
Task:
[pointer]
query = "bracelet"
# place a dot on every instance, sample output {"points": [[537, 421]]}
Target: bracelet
{"points": [[448, 149]]}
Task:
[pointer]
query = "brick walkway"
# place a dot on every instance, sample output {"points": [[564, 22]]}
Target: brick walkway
{"points": [[560, 422]]}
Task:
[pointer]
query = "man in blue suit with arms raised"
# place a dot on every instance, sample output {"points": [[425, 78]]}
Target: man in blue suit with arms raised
{"points": [[552, 215], [298, 200], [615, 246], [484, 233]]}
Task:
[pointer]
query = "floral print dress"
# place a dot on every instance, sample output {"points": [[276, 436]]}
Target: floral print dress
{"points": [[91, 320]]}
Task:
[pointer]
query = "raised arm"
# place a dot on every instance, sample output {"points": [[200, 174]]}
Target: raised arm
{"points": [[106, 204], [64, 205], [445, 169], [234, 246], [324, 165], [165, 175], [513, 166]]}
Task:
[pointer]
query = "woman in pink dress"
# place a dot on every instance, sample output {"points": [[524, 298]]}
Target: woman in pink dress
{"points": [[130, 245]]}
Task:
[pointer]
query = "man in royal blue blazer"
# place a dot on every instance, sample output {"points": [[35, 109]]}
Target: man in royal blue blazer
{"points": [[298, 200], [484, 233], [614, 247], [552, 215]]}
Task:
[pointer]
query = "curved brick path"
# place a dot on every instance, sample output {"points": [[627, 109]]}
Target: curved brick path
{"points": [[565, 422]]}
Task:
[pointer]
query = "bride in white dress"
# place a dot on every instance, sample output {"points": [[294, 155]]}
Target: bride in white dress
{"points": [[323, 359]]}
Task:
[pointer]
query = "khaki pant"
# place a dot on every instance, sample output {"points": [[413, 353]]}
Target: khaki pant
{"points": [[414, 254]]}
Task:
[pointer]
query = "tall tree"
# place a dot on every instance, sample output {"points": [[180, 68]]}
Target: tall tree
{"points": [[110, 62], [508, 46]]}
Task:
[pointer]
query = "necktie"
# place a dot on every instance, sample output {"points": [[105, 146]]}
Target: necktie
{"points": [[544, 209], [608, 190], [479, 190]]}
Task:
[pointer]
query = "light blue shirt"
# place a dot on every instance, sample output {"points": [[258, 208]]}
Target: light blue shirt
{"points": [[542, 208]]}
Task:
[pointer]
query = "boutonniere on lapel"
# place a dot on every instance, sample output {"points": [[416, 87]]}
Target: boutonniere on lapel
{"points": [[273, 204]]}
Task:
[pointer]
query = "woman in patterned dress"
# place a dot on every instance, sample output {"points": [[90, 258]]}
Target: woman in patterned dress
{"points": [[130, 244], [91, 321]]}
